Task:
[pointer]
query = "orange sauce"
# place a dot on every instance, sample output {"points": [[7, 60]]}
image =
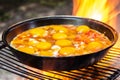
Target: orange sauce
{"points": [[60, 41]]}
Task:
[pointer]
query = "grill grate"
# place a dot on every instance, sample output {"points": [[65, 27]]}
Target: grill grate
{"points": [[106, 69]]}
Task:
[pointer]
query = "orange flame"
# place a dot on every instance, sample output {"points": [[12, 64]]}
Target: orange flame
{"points": [[102, 10]]}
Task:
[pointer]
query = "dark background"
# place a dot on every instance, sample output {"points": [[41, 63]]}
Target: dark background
{"points": [[12, 11]]}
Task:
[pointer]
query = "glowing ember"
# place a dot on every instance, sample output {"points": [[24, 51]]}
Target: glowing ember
{"points": [[102, 10]]}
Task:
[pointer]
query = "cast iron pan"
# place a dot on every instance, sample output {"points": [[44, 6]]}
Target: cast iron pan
{"points": [[59, 63]]}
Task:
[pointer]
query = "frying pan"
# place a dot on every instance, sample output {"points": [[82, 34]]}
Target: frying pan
{"points": [[59, 63]]}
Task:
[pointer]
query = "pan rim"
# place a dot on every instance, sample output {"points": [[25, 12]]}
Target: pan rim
{"points": [[4, 35]]}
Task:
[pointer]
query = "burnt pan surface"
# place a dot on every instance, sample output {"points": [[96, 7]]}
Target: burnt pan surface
{"points": [[59, 63]]}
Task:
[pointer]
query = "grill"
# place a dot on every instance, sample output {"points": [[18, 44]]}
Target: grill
{"points": [[106, 69]]}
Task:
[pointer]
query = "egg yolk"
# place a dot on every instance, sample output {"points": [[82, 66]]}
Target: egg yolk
{"points": [[67, 51], [43, 45], [63, 42], [82, 29], [57, 36]]}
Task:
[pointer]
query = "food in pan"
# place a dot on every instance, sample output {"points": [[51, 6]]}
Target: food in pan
{"points": [[60, 41]]}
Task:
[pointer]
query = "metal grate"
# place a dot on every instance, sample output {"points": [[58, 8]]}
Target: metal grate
{"points": [[107, 69]]}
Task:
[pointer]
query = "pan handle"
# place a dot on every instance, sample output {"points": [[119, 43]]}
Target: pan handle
{"points": [[2, 45]]}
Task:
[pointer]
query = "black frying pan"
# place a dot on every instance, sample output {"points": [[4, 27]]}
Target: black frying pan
{"points": [[59, 63]]}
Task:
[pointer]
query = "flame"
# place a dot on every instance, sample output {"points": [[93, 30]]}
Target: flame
{"points": [[102, 10]]}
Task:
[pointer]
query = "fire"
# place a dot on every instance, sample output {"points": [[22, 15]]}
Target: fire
{"points": [[102, 10]]}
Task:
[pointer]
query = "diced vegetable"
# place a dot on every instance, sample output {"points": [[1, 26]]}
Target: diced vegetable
{"points": [[60, 40]]}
